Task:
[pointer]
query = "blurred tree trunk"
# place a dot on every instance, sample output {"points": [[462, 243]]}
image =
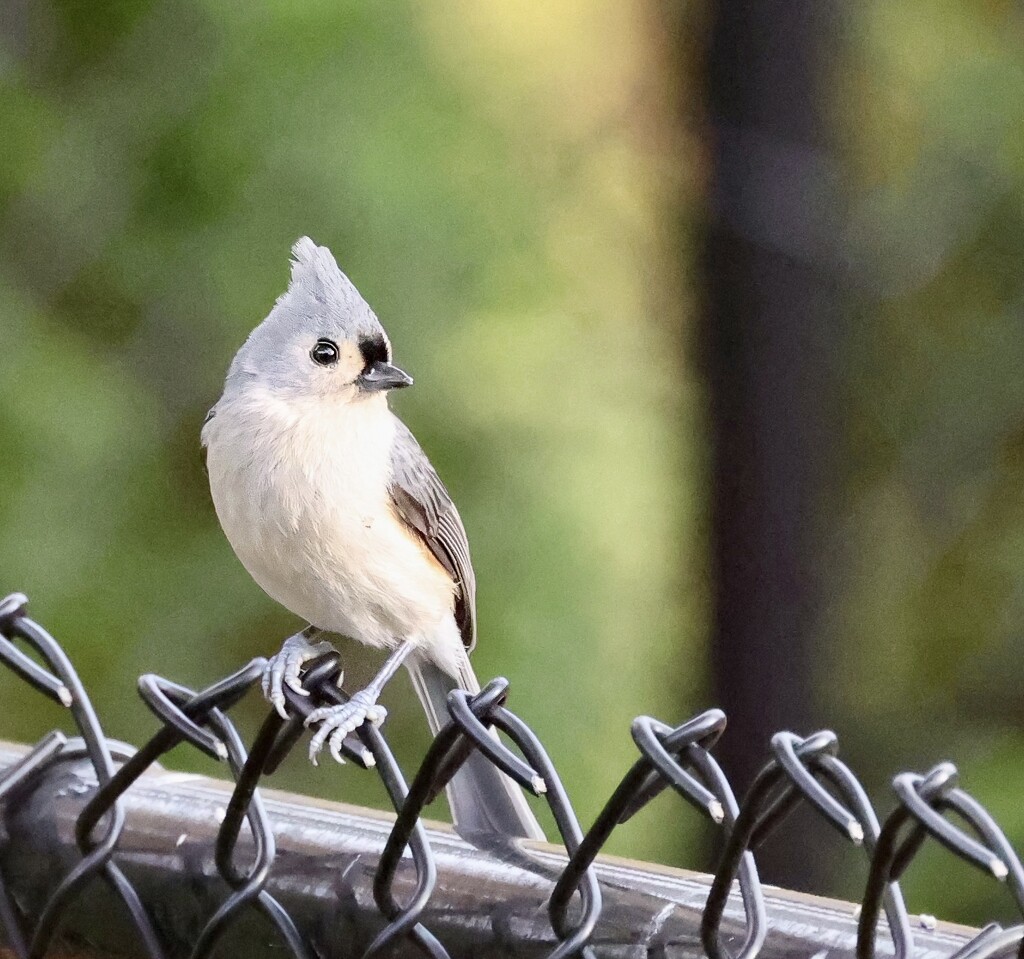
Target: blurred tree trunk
{"points": [[771, 334]]}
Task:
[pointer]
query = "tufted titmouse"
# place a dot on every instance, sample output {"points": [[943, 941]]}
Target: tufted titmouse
{"points": [[336, 512]]}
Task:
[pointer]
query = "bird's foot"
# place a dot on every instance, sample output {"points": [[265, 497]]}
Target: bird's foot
{"points": [[336, 722], [285, 668]]}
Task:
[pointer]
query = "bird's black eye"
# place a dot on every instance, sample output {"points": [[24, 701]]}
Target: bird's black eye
{"points": [[324, 352]]}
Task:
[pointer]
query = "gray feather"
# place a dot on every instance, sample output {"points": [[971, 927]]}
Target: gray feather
{"points": [[485, 803], [320, 301], [423, 504]]}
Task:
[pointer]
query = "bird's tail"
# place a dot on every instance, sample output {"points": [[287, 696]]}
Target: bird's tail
{"points": [[484, 801]]}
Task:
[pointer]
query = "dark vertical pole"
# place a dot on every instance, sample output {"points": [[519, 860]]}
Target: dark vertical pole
{"points": [[771, 332]]}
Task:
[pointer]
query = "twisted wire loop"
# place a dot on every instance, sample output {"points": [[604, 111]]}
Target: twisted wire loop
{"points": [[923, 800], [472, 719], [60, 683], [370, 750], [800, 771], [807, 770], [679, 758], [542, 779], [199, 719]]}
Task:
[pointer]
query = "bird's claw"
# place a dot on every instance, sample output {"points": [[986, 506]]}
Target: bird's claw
{"points": [[285, 669], [337, 722]]}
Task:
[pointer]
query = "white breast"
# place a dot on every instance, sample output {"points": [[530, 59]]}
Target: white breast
{"points": [[300, 489]]}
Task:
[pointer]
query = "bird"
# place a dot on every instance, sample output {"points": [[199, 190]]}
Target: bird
{"points": [[333, 508]]}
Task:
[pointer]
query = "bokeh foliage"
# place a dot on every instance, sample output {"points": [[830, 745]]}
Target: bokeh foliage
{"points": [[487, 183], [512, 188], [925, 624]]}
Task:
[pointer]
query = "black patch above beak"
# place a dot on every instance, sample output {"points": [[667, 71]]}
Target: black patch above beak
{"points": [[383, 376]]}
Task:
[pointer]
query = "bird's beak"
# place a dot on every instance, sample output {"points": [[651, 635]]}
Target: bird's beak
{"points": [[383, 376]]}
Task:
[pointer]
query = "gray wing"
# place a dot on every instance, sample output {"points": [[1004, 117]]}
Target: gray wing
{"points": [[422, 503]]}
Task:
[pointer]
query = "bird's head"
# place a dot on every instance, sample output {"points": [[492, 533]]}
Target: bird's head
{"points": [[320, 339]]}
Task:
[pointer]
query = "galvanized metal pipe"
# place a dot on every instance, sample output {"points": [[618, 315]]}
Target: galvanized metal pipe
{"points": [[327, 855]]}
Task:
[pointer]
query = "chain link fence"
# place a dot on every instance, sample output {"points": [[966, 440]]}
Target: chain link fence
{"points": [[104, 853]]}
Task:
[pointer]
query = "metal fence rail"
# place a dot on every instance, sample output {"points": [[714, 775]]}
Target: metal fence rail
{"points": [[104, 853]]}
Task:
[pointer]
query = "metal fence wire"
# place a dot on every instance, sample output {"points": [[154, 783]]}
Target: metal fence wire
{"points": [[591, 907]]}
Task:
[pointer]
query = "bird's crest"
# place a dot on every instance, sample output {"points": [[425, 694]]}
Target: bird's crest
{"points": [[315, 272], [319, 287]]}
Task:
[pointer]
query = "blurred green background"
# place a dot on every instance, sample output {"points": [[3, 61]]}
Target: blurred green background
{"points": [[520, 192]]}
